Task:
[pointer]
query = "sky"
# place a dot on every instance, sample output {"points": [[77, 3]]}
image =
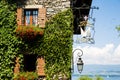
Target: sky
{"points": [[106, 49]]}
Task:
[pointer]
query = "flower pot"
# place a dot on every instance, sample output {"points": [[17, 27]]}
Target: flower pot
{"points": [[29, 32], [26, 76]]}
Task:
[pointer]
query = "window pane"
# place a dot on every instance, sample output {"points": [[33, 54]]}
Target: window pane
{"points": [[27, 13], [31, 17], [35, 17]]}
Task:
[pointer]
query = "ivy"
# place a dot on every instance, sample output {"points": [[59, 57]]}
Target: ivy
{"points": [[57, 44], [9, 44]]}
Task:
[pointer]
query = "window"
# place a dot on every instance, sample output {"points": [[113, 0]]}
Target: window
{"points": [[29, 62], [31, 17]]}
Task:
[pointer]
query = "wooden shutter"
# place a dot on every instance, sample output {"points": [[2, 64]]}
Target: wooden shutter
{"points": [[19, 16], [42, 17], [40, 66]]}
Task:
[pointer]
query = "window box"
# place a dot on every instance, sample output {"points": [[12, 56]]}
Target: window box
{"points": [[29, 32], [26, 76]]}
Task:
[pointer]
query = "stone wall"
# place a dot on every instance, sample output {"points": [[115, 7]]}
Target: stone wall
{"points": [[52, 6]]}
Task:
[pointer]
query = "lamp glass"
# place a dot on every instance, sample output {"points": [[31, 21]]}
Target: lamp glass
{"points": [[80, 65]]}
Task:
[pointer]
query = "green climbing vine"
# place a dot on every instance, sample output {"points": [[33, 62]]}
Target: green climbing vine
{"points": [[9, 44], [57, 44]]}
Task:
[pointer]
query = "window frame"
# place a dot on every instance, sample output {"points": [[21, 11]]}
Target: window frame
{"points": [[31, 16]]}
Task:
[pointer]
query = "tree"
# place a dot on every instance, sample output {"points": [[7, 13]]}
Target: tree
{"points": [[118, 29]]}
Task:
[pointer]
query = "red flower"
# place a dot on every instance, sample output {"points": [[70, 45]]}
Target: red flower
{"points": [[28, 32]]}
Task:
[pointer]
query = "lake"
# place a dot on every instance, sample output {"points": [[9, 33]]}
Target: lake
{"points": [[108, 72]]}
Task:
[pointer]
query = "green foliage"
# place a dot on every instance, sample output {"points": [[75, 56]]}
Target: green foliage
{"points": [[9, 44], [7, 15], [85, 78], [99, 78], [118, 29], [89, 78], [26, 76], [57, 44]]}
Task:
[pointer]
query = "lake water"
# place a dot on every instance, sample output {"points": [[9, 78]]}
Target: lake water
{"points": [[108, 72]]}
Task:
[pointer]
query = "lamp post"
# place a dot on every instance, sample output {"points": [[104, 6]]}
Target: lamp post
{"points": [[79, 61]]}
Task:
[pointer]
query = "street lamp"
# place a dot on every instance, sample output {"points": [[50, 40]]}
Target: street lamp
{"points": [[80, 65], [79, 62]]}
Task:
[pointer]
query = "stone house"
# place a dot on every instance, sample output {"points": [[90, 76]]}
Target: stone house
{"points": [[37, 12]]}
